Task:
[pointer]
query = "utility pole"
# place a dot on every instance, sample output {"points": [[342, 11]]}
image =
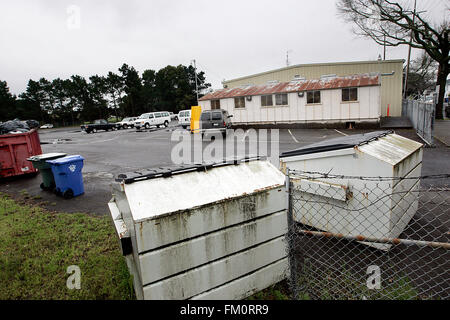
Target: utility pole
{"points": [[287, 58], [384, 48], [196, 85], [409, 52]]}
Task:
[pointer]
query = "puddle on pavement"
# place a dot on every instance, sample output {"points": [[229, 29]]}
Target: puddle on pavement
{"points": [[58, 141], [102, 175]]}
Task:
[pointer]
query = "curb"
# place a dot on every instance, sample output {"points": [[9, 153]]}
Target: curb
{"points": [[441, 141]]}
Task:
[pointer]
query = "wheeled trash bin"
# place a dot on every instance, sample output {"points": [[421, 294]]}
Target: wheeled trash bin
{"points": [[68, 176], [40, 163]]}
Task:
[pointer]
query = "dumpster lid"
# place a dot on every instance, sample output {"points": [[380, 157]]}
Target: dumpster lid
{"points": [[161, 195], [66, 159], [46, 156], [337, 143], [158, 172], [392, 148]]}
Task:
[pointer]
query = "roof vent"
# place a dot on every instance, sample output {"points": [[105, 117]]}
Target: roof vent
{"points": [[328, 76], [298, 77]]}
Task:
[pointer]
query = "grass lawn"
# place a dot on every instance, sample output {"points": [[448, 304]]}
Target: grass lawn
{"points": [[37, 246]]}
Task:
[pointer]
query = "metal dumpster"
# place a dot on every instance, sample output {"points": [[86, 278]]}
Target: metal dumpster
{"points": [[209, 231], [14, 151], [40, 162], [376, 208]]}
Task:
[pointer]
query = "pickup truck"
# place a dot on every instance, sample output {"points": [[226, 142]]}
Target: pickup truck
{"points": [[126, 123], [100, 124]]}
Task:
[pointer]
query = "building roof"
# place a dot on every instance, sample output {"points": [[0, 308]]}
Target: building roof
{"points": [[358, 80], [316, 65]]}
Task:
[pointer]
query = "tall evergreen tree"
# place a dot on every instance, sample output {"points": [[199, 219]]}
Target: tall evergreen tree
{"points": [[7, 102]]}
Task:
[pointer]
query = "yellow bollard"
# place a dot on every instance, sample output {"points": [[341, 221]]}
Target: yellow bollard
{"points": [[196, 111]]}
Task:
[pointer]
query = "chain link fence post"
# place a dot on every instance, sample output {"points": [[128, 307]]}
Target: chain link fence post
{"points": [[290, 239]]}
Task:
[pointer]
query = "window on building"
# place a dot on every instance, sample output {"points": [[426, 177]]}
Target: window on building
{"points": [[266, 101], [281, 99], [313, 97], [215, 104], [350, 94], [239, 102]]}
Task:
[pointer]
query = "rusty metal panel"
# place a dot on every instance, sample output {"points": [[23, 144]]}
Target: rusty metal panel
{"points": [[359, 80]]}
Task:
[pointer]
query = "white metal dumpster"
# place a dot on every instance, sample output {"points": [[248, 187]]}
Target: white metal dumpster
{"points": [[353, 207], [203, 231]]}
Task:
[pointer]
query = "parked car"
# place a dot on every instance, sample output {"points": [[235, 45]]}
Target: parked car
{"points": [[217, 120], [126, 123], [184, 118], [173, 116], [47, 126], [100, 124], [32, 124], [151, 119]]}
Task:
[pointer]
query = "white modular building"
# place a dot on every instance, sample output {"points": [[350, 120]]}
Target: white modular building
{"points": [[330, 99]]}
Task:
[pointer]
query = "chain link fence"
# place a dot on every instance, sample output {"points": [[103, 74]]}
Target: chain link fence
{"points": [[368, 237]]}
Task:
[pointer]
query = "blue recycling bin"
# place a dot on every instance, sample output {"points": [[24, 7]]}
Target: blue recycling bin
{"points": [[68, 176]]}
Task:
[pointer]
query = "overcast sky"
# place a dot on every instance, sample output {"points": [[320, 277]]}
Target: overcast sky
{"points": [[228, 39]]}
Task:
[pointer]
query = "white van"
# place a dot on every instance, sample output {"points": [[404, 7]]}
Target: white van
{"points": [[184, 118], [151, 119]]}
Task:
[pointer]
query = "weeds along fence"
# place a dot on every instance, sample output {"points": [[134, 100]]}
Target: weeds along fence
{"points": [[368, 237]]}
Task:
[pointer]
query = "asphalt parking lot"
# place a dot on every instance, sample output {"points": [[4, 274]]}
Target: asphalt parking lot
{"points": [[110, 153]]}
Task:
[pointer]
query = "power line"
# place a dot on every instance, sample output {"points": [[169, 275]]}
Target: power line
{"points": [[409, 51]]}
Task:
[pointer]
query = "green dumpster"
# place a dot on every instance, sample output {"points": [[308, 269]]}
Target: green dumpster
{"points": [[39, 162]]}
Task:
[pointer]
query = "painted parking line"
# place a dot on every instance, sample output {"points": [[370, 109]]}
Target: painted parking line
{"points": [[340, 132], [296, 141]]}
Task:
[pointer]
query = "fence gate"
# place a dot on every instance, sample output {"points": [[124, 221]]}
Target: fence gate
{"points": [[421, 115], [368, 238]]}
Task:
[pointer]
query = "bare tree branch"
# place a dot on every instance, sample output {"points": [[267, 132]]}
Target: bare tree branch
{"points": [[389, 23]]}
